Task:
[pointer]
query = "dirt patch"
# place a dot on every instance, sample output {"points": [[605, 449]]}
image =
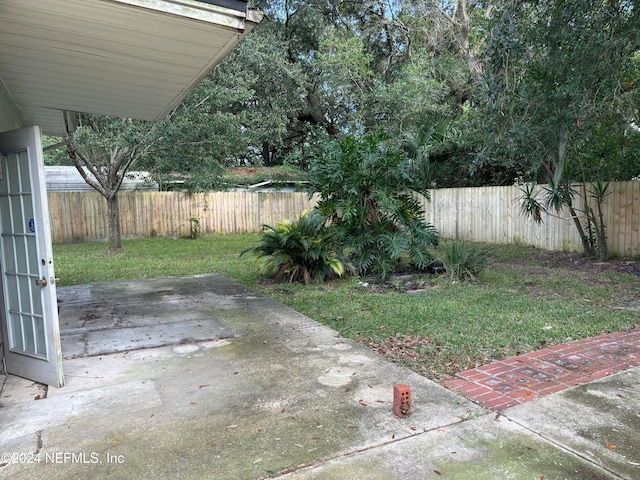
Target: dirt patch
{"points": [[619, 276], [577, 262]]}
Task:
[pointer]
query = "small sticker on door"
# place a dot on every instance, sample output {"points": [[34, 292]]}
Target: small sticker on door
{"points": [[32, 225]]}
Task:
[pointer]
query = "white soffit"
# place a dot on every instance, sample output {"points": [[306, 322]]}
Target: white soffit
{"points": [[127, 58]]}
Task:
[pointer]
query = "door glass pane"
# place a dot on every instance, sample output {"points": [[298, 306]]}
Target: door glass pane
{"points": [[41, 341], [23, 167], [17, 331], [9, 254], [12, 173], [21, 254], [32, 260], [27, 215], [11, 285], [5, 212], [29, 344], [36, 307], [15, 206], [3, 184], [24, 293], [20, 257]]}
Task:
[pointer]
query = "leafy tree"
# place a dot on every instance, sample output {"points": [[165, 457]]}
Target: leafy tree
{"points": [[366, 189], [298, 27], [589, 222], [199, 138], [555, 87], [338, 67], [275, 89], [107, 147], [54, 154], [439, 148], [555, 79], [196, 139]]}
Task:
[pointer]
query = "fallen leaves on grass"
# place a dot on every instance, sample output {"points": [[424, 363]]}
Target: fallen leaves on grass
{"points": [[420, 354], [403, 348]]}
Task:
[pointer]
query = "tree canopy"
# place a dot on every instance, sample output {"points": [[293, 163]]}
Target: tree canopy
{"points": [[395, 95], [476, 93], [561, 90]]}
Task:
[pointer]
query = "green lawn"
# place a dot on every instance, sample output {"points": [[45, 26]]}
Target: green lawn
{"points": [[526, 300]]}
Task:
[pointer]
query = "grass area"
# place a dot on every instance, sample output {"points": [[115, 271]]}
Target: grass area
{"points": [[156, 257], [526, 300]]}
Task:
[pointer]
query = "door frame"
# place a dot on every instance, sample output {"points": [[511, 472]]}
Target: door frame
{"points": [[41, 367]]}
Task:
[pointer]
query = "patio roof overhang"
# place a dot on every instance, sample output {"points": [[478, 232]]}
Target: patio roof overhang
{"points": [[126, 58]]}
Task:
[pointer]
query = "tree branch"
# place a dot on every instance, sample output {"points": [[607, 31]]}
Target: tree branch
{"points": [[78, 159]]}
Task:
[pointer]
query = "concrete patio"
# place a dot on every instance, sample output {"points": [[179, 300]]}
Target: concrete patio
{"points": [[198, 377]]}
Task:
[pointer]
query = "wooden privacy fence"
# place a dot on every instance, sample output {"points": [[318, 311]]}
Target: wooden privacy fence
{"points": [[82, 216], [492, 214], [485, 214]]}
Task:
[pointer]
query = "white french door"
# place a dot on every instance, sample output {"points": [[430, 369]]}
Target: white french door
{"points": [[29, 312]]}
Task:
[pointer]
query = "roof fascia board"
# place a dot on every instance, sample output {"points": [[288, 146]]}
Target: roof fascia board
{"points": [[194, 10]]}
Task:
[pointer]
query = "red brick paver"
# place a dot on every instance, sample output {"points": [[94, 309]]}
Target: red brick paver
{"points": [[505, 383]]}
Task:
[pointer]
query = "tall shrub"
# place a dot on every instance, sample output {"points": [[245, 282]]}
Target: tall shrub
{"points": [[368, 189]]}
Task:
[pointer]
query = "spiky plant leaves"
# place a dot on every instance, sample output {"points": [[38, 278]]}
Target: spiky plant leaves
{"points": [[304, 250]]}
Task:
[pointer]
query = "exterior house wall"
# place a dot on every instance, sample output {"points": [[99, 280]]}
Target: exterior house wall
{"points": [[10, 117], [1, 350]]}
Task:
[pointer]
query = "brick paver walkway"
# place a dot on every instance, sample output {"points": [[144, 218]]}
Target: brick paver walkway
{"points": [[505, 383]]}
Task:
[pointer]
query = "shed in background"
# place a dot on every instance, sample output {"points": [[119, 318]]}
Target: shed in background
{"points": [[68, 179]]}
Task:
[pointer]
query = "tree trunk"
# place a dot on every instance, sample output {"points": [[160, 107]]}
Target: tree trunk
{"points": [[115, 240], [588, 251], [463, 21], [313, 114], [603, 252], [107, 182], [600, 229]]}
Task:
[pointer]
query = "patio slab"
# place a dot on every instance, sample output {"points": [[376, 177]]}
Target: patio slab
{"points": [[284, 397]]}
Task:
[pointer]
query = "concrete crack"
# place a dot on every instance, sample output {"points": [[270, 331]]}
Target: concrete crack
{"points": [[38, 442], [365, 449], [567, 449]]}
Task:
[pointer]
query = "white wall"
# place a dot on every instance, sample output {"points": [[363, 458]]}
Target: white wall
{"points": [[10, 117]]}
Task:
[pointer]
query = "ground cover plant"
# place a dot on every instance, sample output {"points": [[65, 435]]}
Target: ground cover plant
{"points": [[302, 250], [527, 299]]}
